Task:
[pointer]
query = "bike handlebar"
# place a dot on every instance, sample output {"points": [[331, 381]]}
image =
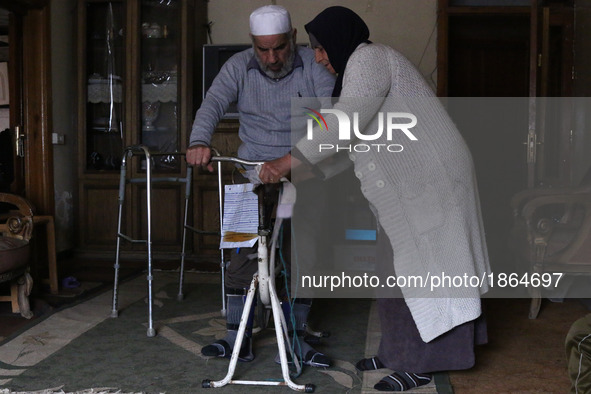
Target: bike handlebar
{"points": [[236, 160]]}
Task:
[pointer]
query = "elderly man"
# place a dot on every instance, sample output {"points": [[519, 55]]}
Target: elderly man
{"points": [[262, 80]]}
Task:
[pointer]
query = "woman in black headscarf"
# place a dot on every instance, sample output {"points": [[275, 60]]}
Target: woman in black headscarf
{"points": [[340, 31], [425, 200]]}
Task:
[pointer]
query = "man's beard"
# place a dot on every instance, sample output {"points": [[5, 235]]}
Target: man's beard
{"points": [[287, 66]]}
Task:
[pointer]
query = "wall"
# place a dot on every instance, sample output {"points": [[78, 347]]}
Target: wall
{"points": [[64, 111], [407, 25]]}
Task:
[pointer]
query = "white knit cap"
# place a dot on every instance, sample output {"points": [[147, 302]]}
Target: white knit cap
{"points": [[268, 20]]}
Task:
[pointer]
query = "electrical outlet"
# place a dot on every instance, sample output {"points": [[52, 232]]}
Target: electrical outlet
{"points": [[58, 139]]}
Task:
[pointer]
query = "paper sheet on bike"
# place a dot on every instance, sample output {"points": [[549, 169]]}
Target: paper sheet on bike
{"points": [[241, 216]]}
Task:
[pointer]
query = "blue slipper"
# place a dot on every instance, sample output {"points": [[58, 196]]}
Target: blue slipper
{"points": [[70, 283]]}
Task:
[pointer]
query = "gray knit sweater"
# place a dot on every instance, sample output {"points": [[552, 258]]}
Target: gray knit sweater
{"points": [[264, 103], [425, 197]]}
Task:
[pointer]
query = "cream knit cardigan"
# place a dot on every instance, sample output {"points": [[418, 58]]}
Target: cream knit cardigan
{"points": [[424, 197]]}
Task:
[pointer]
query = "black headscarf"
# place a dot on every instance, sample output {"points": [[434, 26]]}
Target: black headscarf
{"points": [[339, 30]]}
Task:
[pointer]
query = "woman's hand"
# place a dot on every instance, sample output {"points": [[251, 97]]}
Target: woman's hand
{"points": [[273, 171]]}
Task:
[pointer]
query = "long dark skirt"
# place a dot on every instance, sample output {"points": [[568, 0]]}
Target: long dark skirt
{"points": [[401, 347]]}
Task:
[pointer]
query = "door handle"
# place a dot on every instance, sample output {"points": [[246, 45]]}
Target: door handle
{"points": [[19, 140], [531, 143]]}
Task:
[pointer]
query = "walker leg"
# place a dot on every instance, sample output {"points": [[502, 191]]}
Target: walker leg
{"points": [[121, 198], [151, 331], [223, 270], [114, 312], [222, 262], [180, 295]]}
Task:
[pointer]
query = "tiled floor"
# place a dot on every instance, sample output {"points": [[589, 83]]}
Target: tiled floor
{"points": [[522, 356]]}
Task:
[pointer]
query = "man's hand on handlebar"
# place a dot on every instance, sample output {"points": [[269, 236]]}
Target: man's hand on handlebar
{"points": [[200, 155], [273, 171]]}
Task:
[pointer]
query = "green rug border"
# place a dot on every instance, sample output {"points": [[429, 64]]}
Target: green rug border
{"points": [[442, 383]]}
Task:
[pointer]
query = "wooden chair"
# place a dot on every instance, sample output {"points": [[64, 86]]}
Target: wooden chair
{"points": [[16, 228], [552, 233]]}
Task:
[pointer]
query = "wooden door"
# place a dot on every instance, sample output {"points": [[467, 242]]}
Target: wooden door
{"points": [[549, 151], [581, 143], [12, 139], [29, 110]]}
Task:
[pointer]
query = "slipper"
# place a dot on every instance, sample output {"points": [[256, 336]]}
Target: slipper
{"points": [[222, 349], [369, 364], [402, 381], [70, 283]]}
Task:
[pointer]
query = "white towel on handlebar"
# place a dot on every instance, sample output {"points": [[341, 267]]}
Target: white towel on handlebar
{"points": [[287, 199]]}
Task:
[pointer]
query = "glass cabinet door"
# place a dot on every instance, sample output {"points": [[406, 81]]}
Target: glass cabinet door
{"points": [[160, 56], [105, 76]]}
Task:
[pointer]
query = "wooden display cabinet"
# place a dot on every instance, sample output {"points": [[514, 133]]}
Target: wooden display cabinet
{"points": [[137, 77]]}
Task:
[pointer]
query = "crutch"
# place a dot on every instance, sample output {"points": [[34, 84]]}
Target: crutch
{"points": [[266, 286]]}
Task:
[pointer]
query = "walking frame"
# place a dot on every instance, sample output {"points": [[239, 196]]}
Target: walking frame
{"points": [[262, 280], [148, 180]]}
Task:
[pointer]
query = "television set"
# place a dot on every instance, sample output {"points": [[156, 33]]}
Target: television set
{"points": [[214, 57]]}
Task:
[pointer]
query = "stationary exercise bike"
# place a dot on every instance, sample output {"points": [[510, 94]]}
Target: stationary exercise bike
{"points": [[263, 281]]}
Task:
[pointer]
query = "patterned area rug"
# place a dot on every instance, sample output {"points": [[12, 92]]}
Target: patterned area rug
{"points": [[81, 349]]}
